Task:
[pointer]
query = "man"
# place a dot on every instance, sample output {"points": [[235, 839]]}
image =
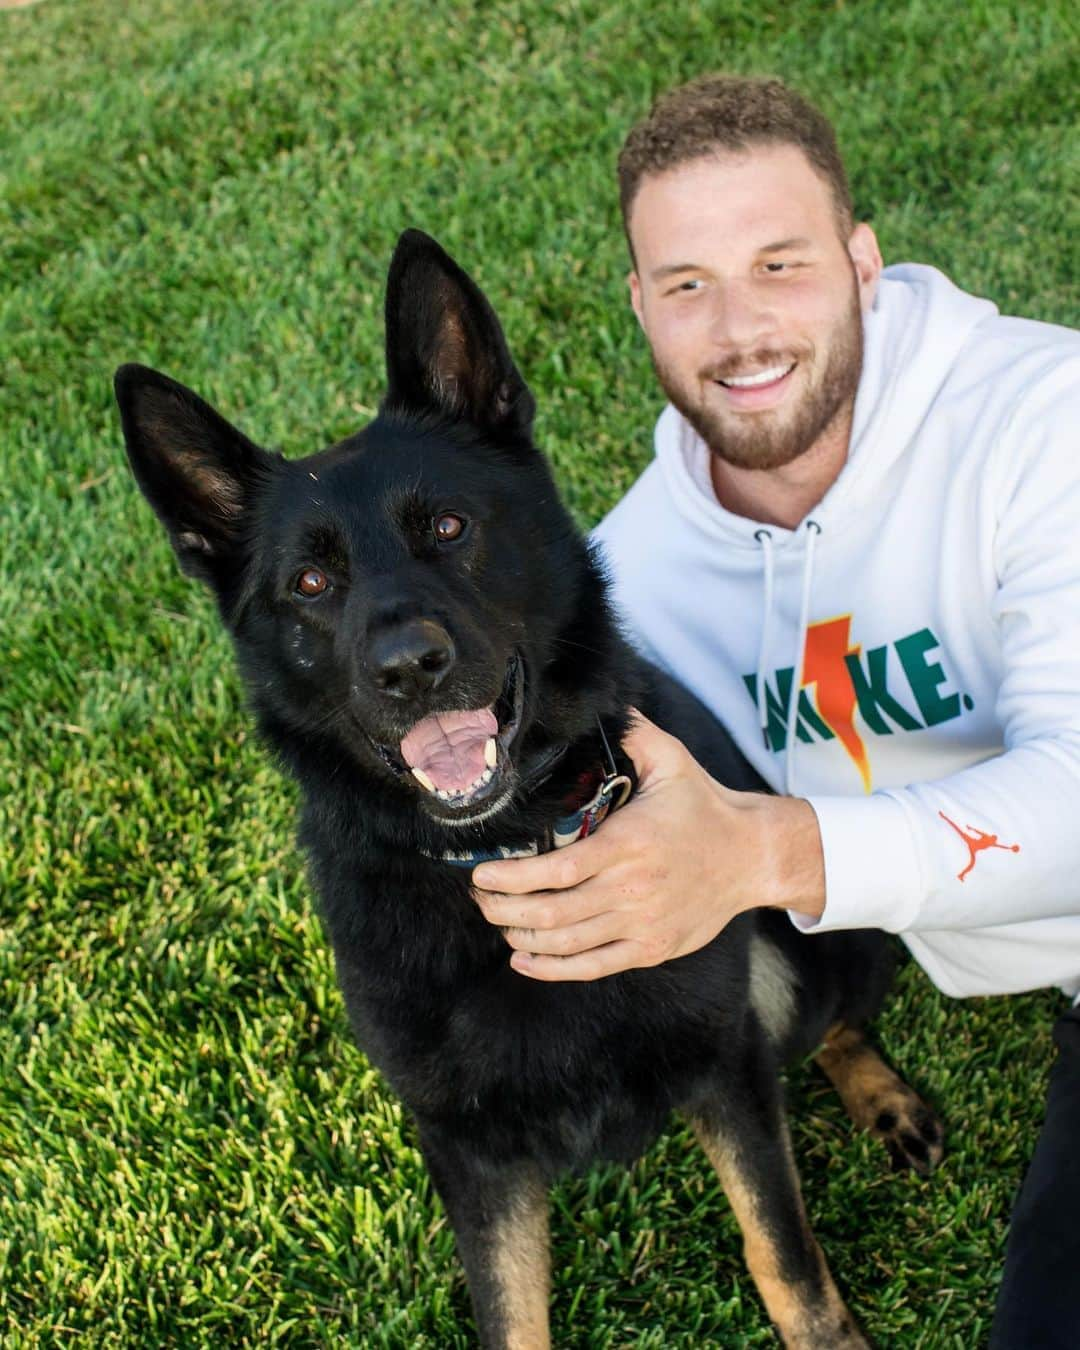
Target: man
{"points": [[859, 544]]}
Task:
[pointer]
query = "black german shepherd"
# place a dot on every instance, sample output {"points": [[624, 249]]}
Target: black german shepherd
{"points": [[427, 644]]}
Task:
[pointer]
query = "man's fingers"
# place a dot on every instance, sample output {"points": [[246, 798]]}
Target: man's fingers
{"points": [[556, 871], [590, 965], [567, 941], [539, 912]]}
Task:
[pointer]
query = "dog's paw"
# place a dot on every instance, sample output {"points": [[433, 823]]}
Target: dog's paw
{"points": [[910, 1131]]}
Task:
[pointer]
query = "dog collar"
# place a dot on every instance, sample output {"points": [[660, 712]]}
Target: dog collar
{"points": [[612, 793]]}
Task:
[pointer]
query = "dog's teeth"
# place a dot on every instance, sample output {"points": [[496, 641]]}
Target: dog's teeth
{"points": [[443, 794], [424, 781], [491, 752], [486, 776]]}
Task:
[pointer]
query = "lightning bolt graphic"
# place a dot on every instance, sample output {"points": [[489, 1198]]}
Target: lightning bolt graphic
{"points": [[824, 666]]}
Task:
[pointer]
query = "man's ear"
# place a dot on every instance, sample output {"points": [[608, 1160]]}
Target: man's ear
{"points": [[866, 259], [445, 349], [197, 471], [634, 282]]}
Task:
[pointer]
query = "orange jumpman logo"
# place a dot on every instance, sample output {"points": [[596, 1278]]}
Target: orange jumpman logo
{"points": [[976, 841]]}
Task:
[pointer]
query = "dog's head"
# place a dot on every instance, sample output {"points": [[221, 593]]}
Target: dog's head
{"points": [[413, 599]]}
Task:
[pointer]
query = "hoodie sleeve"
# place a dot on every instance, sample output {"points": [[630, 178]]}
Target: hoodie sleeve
{"points": [[998, 843]]}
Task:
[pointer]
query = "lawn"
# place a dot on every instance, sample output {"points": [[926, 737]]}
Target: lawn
{"points": [[192, 1152]]}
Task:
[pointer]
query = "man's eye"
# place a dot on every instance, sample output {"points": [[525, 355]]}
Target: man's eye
{"points": [[448, 527], [311, 582]]}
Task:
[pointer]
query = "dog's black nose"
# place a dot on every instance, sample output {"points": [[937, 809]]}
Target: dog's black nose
{"points": [[410, 658]]}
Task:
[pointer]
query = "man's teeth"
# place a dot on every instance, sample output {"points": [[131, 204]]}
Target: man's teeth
{"points": [[762, 377]]}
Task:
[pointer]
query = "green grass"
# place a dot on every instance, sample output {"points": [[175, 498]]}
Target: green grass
{"points": [[192, 1152]]}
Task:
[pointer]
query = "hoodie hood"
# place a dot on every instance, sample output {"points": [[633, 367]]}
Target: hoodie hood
{"points": [[913, 334]]}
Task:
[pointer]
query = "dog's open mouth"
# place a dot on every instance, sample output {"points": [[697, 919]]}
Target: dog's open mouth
{"points": [[461, 756]]}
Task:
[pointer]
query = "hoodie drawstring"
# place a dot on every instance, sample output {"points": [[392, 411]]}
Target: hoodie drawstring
{"points": [[813, 529], [764, 538]]}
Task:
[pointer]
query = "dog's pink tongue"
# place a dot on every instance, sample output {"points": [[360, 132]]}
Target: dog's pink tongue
{"points": [[449, 747]]}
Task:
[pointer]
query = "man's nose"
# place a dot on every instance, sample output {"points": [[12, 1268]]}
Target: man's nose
{"points": [[742, 318], [411, 658]]}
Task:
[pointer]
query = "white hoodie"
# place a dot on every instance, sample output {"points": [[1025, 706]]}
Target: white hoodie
{"points": [[927, 613]]}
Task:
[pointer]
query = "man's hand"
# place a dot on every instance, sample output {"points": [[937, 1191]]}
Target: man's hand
{"points": [[662, 876]]}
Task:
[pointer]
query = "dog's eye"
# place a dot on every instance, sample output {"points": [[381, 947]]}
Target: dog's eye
{"points": [[311, 582], [448, 528]]}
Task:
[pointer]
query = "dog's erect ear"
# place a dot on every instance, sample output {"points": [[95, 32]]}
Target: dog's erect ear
{"points": [[195, 469], [445, 349]]}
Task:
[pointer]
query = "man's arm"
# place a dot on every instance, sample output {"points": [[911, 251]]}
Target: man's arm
{"points": [[661, 878], [998, 843]]}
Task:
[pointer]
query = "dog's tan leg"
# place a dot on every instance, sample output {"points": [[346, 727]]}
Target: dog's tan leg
{"points": [[757, 1173], [521, 1270], [499, 1214], [880, 1101]]}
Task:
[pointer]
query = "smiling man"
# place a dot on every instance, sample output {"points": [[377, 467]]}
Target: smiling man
{"points": [[858, 545], [780, 380]]}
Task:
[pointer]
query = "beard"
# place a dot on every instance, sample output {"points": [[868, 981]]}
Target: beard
{"points": [[772, 438]]}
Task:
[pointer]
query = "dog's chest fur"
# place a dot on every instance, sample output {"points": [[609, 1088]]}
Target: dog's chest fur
{"points": [[561, 1073]]}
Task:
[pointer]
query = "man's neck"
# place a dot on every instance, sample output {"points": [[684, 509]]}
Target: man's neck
{"points": [[785, 496]]}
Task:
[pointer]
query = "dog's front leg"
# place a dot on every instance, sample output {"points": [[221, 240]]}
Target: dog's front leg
{"points": [[499, 1214], [750, 1148]]}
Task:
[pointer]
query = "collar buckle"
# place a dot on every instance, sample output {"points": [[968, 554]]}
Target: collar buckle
{"points": [[611, 794]]}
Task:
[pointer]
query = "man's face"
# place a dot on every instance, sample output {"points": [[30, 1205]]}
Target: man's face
{"points": [[751, 300]]}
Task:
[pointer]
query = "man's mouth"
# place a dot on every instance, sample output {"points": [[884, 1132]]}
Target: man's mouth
{"points": [[460, 757], [771, 375], [757, 390]]}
